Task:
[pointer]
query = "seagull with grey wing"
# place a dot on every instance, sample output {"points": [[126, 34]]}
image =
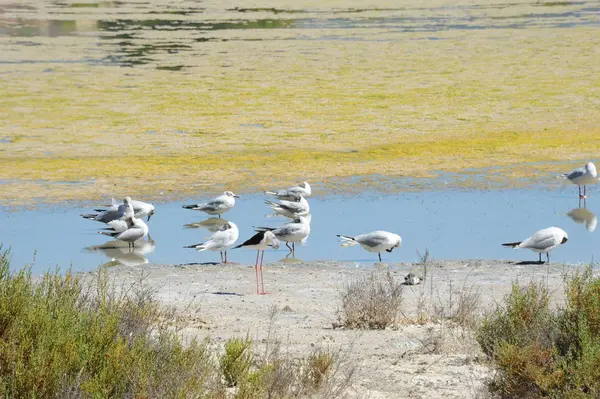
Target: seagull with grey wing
{"points": [[140, 208], [302, 189], [375, 241], [221, 241], [135, 230], [542, 241], [291, 209], [297, 231], [216, 206], [115, 212], [583, 177]]}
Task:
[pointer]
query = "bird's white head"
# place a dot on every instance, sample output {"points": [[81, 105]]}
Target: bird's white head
{"points": [[591, 169], [565, 237], [271, 240], [127, 201], [398, 242], [306, 187], [302, 219], [230, 194]]}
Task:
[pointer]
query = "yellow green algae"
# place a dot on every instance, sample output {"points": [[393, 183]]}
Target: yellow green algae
{"points": [[257, 114]]}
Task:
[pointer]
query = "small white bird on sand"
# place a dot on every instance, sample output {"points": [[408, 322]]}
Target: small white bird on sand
{"points": [[297, 231], [542, 241], [302, 189], [221, 241], [260, 241], [136, 229], [216, 206], [583, 177], [291, 209], [140, 209], [375, 241], [115, 212]]}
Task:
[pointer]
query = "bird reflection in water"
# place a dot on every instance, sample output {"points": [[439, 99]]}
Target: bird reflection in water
{"points": [[211, 224], [119, 253], [584, 216]]}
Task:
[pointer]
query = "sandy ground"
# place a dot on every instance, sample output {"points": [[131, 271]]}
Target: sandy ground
{"points": [[432, 360]]}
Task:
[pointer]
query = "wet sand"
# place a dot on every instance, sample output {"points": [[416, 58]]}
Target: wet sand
{"points": [[427, 358]]}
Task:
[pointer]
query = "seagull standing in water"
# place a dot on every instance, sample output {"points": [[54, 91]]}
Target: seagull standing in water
{"points": [[115, 212], [541, 241], [375, 241], [297, 231], [583, 177], [140, 208], [260, 241], [291, 209], [221, 241], [302, 189], [217, 206], [135, 230]]}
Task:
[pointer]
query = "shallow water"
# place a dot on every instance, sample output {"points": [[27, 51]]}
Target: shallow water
{"points": [[454, 224]]}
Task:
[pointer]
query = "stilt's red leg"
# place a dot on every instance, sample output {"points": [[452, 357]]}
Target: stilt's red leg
{"points": [[262, 279], [256, 270]]}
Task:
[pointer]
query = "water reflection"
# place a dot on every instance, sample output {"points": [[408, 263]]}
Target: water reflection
{"points": [[120, 254], [211, 224], [582, 215]]}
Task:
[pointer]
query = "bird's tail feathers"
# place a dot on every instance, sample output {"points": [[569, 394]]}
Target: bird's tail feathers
{"points": [[259, 228], [100, 210], [91, 216], [188, 206], [109, 233], [511, 244], [270, 193], [199, 247], [271, 203], [347, 241]]}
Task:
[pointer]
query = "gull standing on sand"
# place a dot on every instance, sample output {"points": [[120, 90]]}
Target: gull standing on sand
{"points": [[297, 231], [221, 241], [217, 206], [302, 189], [375, 241], [136, 229], [260, 241], [115, 212], [291, 209], [583, 177], [541, 241], [140, 208]]}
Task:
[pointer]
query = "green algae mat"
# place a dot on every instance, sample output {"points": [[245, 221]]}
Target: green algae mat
{"points": [[164, 100]]}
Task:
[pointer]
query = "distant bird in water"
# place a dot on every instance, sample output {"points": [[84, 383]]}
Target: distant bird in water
{"points": [[291, 209], [136, 229], [140, 208], [542, 241], [260, 241], [583, 177], [297, 231], [221, 241], [217, 206], [302, 189], [375, 241]]}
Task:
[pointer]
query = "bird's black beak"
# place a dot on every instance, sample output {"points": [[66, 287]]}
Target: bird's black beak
{"points": [[564, 240], [236, 196], [150, 215]]}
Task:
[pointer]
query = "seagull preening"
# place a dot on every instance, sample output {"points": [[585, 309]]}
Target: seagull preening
{"points": [[115, 212], [140, 209], [221, 241], [302, 189], [297, 231], [260, 241], [375, 241], [583, 177], [135, 230], [217, 206], [541, 241], [291, 209]]}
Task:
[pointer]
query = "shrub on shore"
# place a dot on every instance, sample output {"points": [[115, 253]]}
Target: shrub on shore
{"points": [[545, 352], [64, 337]]}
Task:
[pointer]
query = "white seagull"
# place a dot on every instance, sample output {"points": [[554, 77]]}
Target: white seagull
{"points": [[583, 177], [375, 241], [136, 229], [140, 208], [115, 212], [291, 209], [541, 241], [221, 241], [260, 241], [302, 189], [297, 231], [217, 206]]}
